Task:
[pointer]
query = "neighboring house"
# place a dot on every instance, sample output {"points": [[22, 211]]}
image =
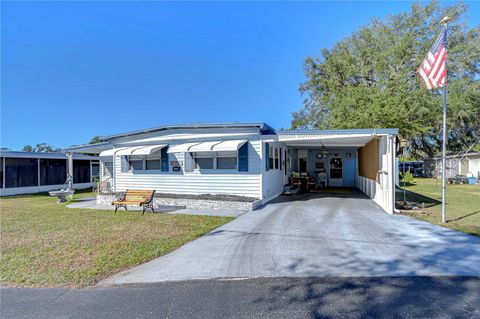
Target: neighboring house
{"points": [[246, 159], [28, 172], [456, 165]]}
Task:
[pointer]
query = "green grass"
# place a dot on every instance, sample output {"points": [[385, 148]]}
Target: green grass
{"points": [[45, 244], [463, 204]]}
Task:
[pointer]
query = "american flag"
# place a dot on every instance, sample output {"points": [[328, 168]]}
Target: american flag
{"points": [[433, 69]]}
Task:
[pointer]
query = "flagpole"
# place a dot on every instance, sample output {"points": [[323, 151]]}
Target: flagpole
{"points": [[444, 139]]}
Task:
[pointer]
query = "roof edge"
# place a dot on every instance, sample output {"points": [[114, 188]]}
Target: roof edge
{"points": [[389, 131], [85, 146], [46, 155], [261, 125]]}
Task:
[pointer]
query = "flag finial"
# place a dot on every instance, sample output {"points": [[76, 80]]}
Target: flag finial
{"points": [[445, 19]]}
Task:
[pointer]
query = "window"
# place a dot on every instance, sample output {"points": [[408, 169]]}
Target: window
{"points": [[270, 158], [243, 158], [135, 163], [276, 158], [152, 164], [267, 156], [152, 161], [226, 160], [203, 160], [107, 168]]}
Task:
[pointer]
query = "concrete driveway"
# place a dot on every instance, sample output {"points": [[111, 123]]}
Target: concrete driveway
{"points": [[316, 235]]}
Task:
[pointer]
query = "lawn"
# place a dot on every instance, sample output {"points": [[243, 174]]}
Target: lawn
{"points": [[463, 204], [45, 244]]}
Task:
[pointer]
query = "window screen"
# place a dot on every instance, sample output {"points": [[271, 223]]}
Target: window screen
{"points": [[81, 171], [152, 161], [226, 160], [136, 164], [53, 171], [21, 172], [152, 164], [1, 171], [204, 163], [203, 160]]}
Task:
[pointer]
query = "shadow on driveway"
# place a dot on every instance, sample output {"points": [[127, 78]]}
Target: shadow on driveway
{"points": [[334, 297]]}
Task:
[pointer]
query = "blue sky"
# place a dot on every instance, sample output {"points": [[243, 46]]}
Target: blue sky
{"points": [[73, 70]]}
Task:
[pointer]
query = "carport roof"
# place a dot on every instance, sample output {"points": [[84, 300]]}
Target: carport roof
{"points": [[332, 138], [372, 131]]}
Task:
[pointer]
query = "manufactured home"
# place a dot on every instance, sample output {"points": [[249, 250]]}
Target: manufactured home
{"points": [[29, 172], [462, 164], [246, 160]]}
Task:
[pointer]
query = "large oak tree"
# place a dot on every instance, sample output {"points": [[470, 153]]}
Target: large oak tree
{"points": [[369, 79]]}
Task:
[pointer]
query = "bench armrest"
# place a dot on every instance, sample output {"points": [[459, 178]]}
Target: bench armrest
{"points": [[121, 197]]}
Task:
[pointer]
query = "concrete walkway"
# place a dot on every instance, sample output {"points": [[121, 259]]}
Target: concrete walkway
{"points": [[89, 203], [316, 235]]}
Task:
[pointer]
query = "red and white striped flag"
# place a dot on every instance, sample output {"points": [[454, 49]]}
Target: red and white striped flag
{"points": [[433, 69]]}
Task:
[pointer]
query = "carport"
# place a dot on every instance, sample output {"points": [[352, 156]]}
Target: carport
{"points": [[361, 158]]}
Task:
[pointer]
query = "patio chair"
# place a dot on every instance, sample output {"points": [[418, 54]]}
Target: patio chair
{"points": [[322, 180]]}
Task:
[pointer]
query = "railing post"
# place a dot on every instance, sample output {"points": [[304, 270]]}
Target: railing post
{"points": [[70, 170]]}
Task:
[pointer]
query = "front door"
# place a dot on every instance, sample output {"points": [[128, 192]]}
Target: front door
{"points": [[336, 172], [302, 165]]}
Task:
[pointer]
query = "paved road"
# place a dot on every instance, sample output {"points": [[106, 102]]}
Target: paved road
{"points": [[316, 235], [384, 297]]}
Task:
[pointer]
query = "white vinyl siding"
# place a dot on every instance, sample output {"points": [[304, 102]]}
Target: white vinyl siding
{"points": [[273, 179], [197, 182]]}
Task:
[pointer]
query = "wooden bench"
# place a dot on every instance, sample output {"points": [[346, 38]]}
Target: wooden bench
{"points": [[143, 198]]}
